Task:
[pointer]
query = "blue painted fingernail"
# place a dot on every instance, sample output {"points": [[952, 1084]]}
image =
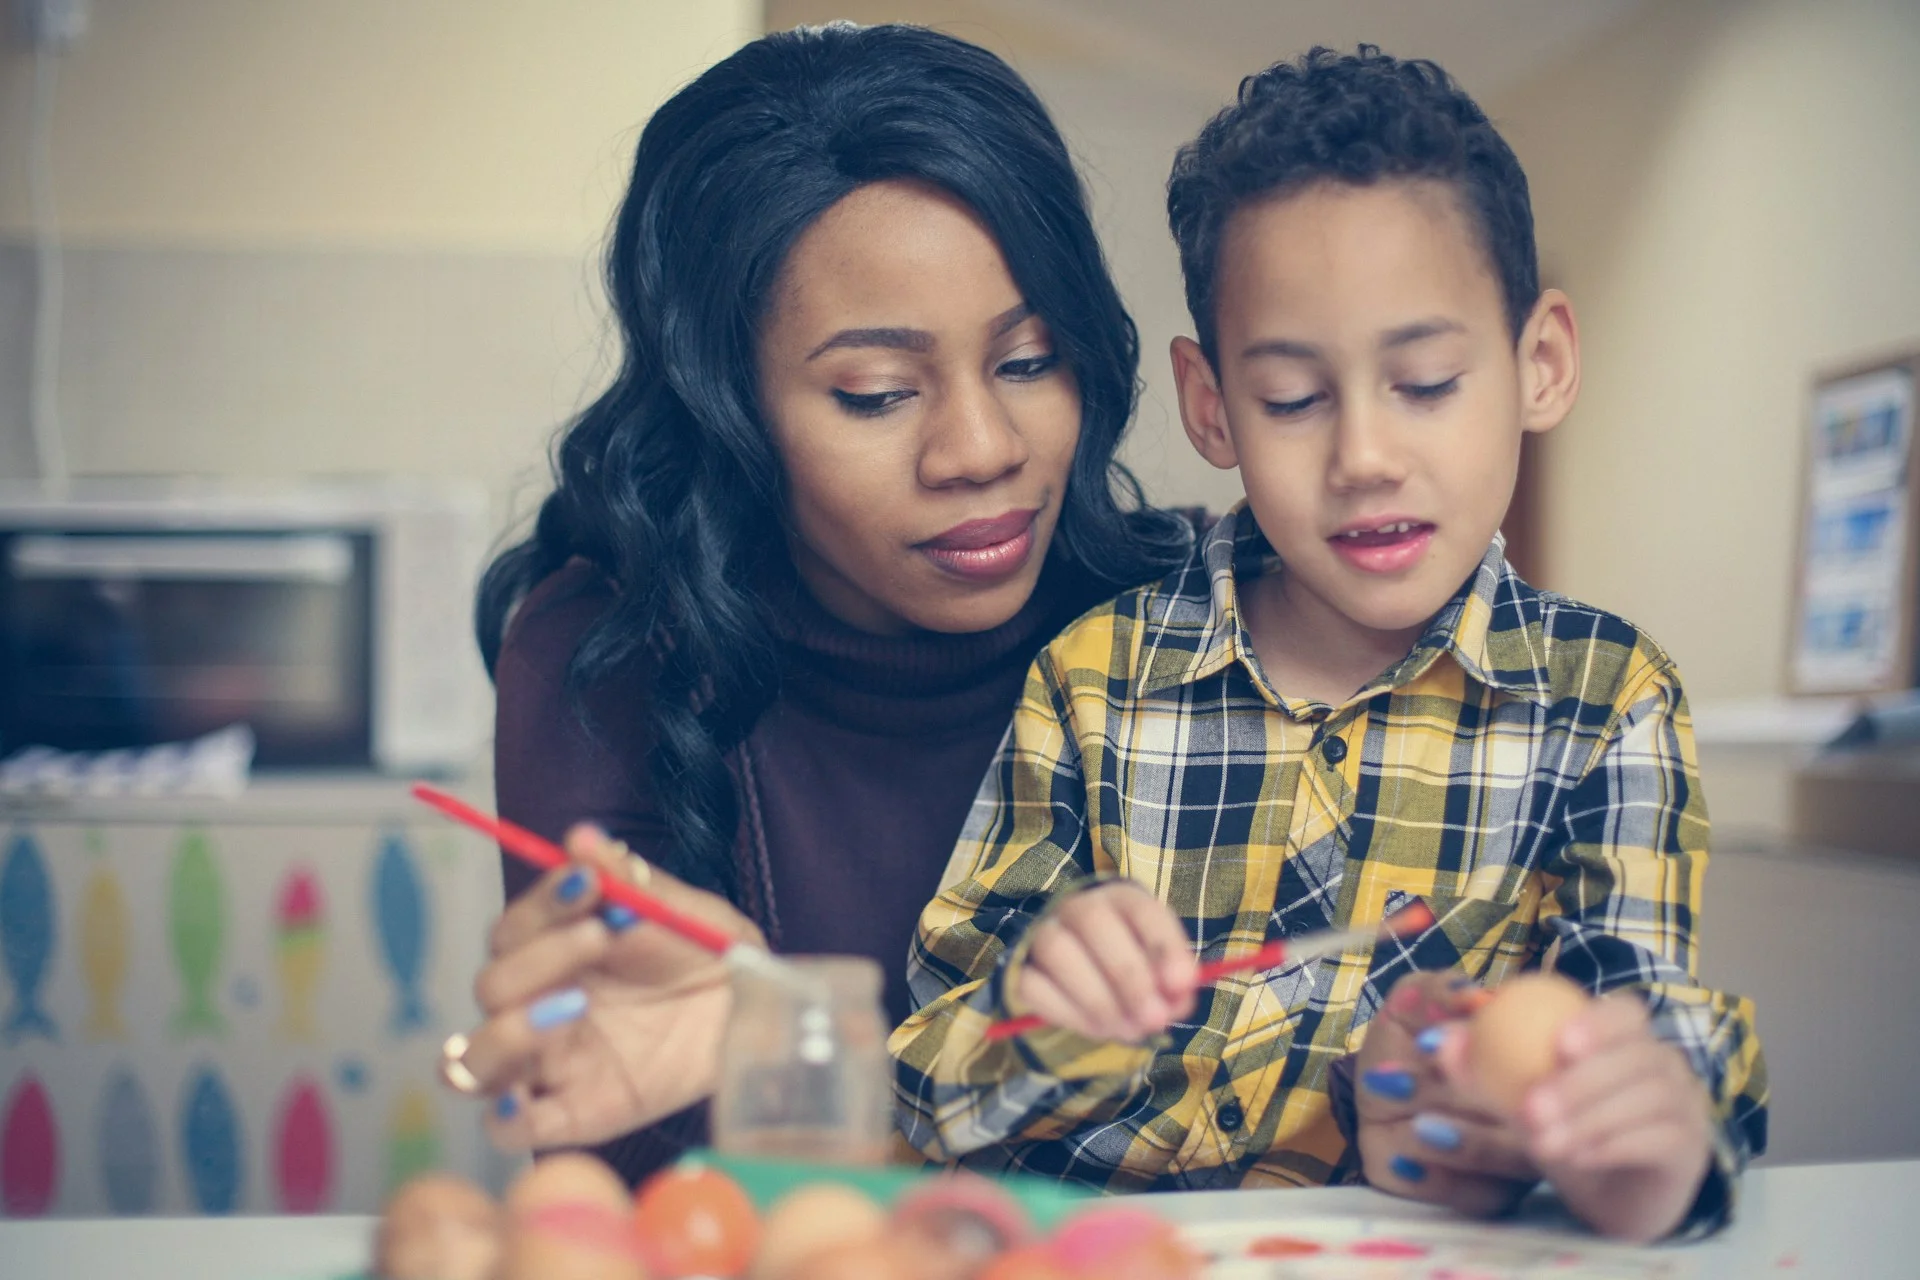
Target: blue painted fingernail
{"points": [[1389, 1082], [1459, 982], [508, 1107], [619, 918], [1430, 1040], [570, 889], [557, 1009], [1436, 1133], [1408, 1169]]}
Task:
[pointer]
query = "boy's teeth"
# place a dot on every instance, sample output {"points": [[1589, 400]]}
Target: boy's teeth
{"points": [[1403, 526]]}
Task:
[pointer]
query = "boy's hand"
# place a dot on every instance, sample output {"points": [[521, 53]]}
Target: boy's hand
{"points": [[1112, 962], [1623, 1129], [1418, 1136]]}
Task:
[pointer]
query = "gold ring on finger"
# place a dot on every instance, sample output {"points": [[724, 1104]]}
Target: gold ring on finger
{"points": [[453, 1065]]}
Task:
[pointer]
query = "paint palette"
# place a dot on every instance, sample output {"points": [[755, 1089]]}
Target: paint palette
{"points": [[1360, 1248]]}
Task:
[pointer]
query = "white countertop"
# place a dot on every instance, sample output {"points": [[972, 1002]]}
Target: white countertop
{"points": [[1813, 1222]]}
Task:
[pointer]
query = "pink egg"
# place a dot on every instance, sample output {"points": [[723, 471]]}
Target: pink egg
{"points": [[1097, 1236]]}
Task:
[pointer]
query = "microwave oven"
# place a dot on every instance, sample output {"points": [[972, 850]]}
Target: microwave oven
{"points": [[332, 618]]}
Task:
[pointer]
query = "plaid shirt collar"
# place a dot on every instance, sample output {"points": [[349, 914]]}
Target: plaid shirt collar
{"points": [[1492, 627]]}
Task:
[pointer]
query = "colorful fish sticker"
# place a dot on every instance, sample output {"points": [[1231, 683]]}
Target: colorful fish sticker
{"points": [[26, 937], [304, 1158], [301, 949], [400, 917], [103, 953], [197, 926], [29, 1151], [413, 1138], [128, 1146], [210, 1143]]}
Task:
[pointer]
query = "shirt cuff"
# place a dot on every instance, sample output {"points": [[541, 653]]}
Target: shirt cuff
{"points": [[1713, 1204]]}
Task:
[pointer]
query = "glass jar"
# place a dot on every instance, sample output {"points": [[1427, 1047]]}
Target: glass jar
{"points": [[804, 1069]]}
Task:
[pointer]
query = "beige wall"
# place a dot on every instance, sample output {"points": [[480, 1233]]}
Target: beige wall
{"points": [[434, 123], [347, 236], [1730, 189]]}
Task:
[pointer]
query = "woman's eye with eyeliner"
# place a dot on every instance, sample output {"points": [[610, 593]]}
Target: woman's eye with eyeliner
{"points": [[1430, 390], [1028, 368], [869, 405]]}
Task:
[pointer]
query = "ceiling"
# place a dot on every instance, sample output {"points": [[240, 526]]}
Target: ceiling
{"points": [[1490, 46]]}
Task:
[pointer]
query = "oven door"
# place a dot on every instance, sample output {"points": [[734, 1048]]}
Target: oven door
{"points": [[130, 638]]}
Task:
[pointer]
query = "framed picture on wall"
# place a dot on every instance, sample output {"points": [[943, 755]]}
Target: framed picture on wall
{"points": [[1856, 616]]}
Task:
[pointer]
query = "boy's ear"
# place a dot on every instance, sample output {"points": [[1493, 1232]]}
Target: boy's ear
{"points": [[1549, 357], [1203, 410]]}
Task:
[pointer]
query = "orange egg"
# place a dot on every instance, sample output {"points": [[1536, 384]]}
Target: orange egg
{"points": [[694, 1220], [1511, 1038], [1035, 1262], [813, 1219]]}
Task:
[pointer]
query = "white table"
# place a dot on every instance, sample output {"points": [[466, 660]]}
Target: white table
{"points": [[1857, 1221]]}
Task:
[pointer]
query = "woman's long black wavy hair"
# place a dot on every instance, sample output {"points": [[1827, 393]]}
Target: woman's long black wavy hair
{"points": [[670, 481]]}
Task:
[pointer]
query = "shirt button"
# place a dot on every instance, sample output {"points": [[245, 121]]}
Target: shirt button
{"points": [[1230, 1117], [1334, 749]]}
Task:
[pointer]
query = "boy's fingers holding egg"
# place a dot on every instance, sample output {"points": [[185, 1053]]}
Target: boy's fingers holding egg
{"points": [[1588, 1104], [1612, 1019]]}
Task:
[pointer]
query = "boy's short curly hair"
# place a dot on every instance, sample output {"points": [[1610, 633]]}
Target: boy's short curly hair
{"points": [[1351, 118]]}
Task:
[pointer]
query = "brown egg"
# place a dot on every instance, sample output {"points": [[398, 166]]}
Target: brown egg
{"points": [[872, 1259], [1510, 1038], [437, 1227], [570, 1218], [810, 1220]]}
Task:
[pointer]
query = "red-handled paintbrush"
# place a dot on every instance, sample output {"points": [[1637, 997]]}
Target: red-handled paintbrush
{"points": [[1308, 946], [544, 854]]}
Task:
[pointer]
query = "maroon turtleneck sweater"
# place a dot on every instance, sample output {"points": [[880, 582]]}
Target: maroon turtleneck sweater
{"points": [[860, 772]]}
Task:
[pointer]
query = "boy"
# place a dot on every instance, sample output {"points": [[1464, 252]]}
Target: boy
{"points": [[1345, 701]]}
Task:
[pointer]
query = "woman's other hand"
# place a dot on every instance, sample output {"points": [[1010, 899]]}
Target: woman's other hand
{"points": [[1420, 1136]]}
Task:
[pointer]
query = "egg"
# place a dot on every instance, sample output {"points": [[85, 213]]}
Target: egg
{"points": [[874, 1258], [1121, 1242], [571, 1219], [693, 1220], [1035, 1262], [813, 1219], [1511, 1037], [953, 1225], [437, 1227]]}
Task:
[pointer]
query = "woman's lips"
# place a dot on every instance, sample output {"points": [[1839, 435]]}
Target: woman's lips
{"points": [[984, 550], [1386, 547]]}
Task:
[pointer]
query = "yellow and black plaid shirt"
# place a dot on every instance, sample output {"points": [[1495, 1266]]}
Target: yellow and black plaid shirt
{"points": [[1528, 771]]}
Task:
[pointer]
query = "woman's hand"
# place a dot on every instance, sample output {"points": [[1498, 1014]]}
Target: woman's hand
{"points": [[596, 1024], [1419, 1135]]}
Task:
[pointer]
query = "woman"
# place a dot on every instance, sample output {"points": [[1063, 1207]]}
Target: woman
{"points": [[856, 468]]}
